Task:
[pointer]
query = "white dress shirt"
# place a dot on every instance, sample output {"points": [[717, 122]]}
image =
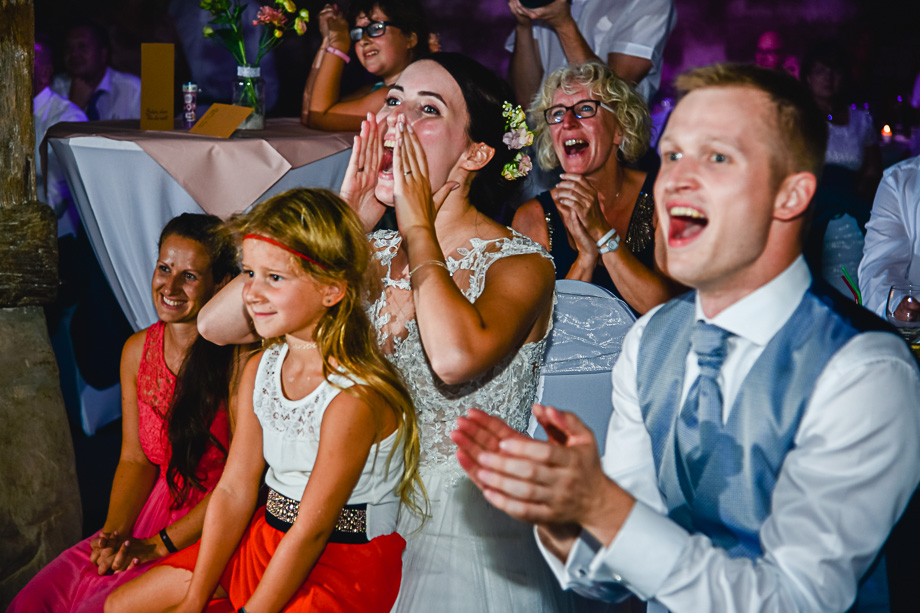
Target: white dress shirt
{"points": [[854, 464], [891, 253], [48, 108], [121, 94], [632, 27]]}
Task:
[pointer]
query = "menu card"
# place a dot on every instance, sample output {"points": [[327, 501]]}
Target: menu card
{"points": [[157, 95]]}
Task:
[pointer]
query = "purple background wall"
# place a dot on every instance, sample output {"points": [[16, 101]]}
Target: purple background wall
{"points": [[882, 35]]}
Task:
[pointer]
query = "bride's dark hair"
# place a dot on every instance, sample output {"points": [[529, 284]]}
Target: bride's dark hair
{"points": [[484, 92]]}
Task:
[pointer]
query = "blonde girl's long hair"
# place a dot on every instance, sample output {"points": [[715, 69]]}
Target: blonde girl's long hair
{"points": [[318, 224]]}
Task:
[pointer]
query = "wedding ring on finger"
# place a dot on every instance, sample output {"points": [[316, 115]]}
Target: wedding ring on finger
{"points": [[361, 169], [407, 173]]}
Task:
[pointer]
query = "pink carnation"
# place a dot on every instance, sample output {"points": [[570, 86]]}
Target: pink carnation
{"points": [[270, 16]]}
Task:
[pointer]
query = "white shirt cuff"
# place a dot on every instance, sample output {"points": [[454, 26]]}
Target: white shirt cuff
{"points": [[642, 555]]}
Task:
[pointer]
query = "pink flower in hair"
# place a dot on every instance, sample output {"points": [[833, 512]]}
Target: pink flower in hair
{"points": [[519, 138], [525, 166]]}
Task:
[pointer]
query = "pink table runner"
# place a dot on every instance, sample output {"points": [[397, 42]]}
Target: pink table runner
{"points": [[223, 175]]}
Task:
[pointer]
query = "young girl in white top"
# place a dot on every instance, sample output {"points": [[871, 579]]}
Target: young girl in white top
{"points": [[328, 415]]}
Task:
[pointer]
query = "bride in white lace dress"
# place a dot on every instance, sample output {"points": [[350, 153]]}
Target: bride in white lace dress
{"points": [[463, 311]]}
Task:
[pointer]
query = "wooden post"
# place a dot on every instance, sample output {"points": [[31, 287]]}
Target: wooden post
{"points": [[28, 246], [39, 498]]}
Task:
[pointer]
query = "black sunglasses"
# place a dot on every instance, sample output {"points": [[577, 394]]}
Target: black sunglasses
{"points": [[373, 30]]}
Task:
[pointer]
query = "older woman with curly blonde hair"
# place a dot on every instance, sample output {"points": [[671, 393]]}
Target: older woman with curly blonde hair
{"points": [[595, 125]]}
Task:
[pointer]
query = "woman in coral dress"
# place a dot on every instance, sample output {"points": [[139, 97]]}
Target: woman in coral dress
{"points": [[158, 498]]}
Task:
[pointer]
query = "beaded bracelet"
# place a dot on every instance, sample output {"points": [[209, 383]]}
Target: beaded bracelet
{"points": [[426, 263], [338, 52]]}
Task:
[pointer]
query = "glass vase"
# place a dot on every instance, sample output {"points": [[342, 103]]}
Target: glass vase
{"points": [[249, 90]]}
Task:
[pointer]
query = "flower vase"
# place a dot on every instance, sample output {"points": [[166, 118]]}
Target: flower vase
{"points": [[249, 90]]}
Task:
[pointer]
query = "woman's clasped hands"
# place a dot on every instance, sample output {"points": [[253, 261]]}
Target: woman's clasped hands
{"points": [[578, 203], [112, 553]]}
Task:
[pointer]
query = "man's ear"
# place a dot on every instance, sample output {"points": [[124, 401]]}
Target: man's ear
{"points": [[794, 195], [333, 293], [477, 156], [413, 40]]}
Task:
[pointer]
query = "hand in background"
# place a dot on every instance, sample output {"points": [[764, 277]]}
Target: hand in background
{"points": [[522, 15], [553, 14], [334, 27]]}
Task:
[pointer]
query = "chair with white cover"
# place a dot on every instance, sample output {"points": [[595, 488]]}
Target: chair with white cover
{"points": [[589, 324]]}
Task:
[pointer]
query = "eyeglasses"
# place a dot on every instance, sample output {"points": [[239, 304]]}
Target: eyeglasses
{"points": [[373, 30], [583, 109]]}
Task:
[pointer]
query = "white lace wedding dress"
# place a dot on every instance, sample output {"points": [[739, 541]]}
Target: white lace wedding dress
{"points": [[468, 557]]}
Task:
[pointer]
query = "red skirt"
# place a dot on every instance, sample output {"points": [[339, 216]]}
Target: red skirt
{"points": [[345, 578]]}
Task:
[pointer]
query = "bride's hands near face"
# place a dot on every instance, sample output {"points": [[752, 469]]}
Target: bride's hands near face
{"points": [[361, 175], [415, 204]]}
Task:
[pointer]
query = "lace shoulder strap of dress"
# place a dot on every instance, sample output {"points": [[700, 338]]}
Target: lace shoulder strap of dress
{"points": [[153, 341], [265, 382], [483, 253]]}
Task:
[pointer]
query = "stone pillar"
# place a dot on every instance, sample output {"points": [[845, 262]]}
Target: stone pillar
{"points": [[39, 499]]}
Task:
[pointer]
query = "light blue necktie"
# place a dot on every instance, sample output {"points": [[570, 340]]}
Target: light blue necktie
{"points": [[701, 416]]}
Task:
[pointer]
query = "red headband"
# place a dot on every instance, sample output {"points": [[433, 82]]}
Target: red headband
{"points": [[285, 247]]}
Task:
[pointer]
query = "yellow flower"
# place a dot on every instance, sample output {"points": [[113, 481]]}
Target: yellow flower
{"points": [[279, 33], [289, 6], [208, 31], [305, 15], [300, 26]]}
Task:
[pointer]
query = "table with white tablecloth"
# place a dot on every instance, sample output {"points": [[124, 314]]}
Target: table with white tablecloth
{"points": [[127, 183]]}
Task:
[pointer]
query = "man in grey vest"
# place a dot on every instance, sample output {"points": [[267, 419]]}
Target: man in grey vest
{"points": [[766, 433]]}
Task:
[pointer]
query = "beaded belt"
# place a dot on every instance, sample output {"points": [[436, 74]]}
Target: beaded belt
{"points": [[350, 527]]}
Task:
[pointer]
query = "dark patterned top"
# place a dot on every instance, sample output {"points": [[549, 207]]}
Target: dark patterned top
{"points": [[640, 236]]}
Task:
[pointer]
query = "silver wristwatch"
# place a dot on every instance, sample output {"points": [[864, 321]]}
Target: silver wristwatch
{"points": [[608, 242]]}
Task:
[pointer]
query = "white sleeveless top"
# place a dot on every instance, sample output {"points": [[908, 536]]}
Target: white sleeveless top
{"points": [[290, 442]]}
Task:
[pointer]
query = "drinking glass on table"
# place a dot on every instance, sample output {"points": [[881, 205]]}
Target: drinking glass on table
{"points": [[904, 313]]}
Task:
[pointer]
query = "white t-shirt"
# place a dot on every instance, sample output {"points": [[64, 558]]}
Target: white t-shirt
{"points": [[632, 27]]}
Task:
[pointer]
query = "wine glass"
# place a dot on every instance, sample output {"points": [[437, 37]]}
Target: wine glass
{"points": [[904, 313]]}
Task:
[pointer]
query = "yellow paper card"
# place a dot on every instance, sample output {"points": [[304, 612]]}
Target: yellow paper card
{"points": [[157, 95], [221, 120]]}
